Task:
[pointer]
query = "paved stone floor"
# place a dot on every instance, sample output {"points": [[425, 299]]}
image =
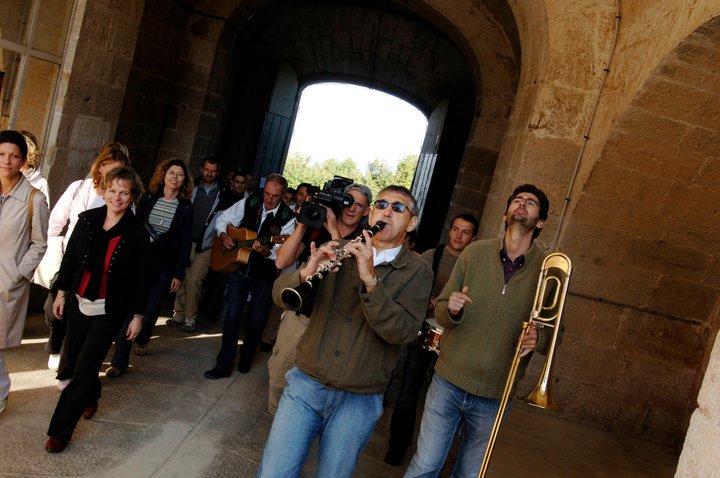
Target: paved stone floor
{"points": [[163, 419]]}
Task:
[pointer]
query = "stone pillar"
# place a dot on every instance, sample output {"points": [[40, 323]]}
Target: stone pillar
{"points": [[700, 455], [87, 112]]}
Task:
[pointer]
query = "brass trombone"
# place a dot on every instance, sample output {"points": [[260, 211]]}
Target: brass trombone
{"points": [[556, 269]]}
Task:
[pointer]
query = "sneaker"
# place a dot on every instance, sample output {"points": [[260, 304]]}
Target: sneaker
{"points": [[216, 373], [174, 323], [3, 404], [189, 325], [113, 372], [141, 350], [53, 361], [61, 384]]}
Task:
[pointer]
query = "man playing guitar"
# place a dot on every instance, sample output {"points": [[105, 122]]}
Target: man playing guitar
{"points": [[266, 214]]}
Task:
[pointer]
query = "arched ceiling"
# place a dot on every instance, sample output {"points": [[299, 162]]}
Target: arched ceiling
{"points": [[655, 190], [645, 236], [370, 43]]}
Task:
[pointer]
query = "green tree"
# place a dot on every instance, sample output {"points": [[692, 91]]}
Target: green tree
{"points": [[405, 171], [296, 168], [349, 169], [302, 169], [378, 176]]}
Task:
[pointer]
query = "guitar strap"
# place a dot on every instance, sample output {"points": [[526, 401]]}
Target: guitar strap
{"points": [[259, 267]]}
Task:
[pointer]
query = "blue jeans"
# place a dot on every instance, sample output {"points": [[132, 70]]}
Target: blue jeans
{"points": [[239, 286], [446, 408], [344, 420]]}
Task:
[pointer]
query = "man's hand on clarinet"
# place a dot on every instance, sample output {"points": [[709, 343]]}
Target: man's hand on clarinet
{"points": [[319, 255], [363, 253]]}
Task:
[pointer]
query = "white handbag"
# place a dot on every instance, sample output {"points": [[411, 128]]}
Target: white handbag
{"points": [[50, 263]]}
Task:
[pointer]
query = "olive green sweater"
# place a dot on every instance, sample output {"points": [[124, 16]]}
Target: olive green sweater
{"points": [[478, 345]]}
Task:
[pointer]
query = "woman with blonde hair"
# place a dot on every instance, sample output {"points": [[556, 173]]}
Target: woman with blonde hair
{"points": [[167, 214], [100, 283], [80, 196], [31, 169]]}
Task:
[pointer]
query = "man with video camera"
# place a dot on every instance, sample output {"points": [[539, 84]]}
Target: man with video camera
{"points": [[296, 249]]}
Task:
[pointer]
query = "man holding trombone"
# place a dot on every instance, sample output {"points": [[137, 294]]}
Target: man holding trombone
{"points": [[482, 307]]}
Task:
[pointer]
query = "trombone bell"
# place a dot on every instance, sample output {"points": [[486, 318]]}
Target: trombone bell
{"points": [[556, 270]]}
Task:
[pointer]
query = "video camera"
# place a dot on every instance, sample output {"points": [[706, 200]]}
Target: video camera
{"points": [[332, 195]]}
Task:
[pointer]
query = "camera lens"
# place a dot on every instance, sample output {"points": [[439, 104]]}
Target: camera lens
{"points": [[314, 214]]}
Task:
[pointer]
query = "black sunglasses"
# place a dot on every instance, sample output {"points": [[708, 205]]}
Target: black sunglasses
{"points": [[396, 206]]}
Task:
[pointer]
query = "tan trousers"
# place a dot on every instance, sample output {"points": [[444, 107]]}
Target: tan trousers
{"points": [[292, 327], [188, 295], [270, 332]]}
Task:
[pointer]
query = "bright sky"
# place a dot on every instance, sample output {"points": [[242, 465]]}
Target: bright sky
{"points": [[339, 120]]}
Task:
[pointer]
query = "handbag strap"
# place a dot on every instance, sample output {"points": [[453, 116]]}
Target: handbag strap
{"points": [[30, 209]]}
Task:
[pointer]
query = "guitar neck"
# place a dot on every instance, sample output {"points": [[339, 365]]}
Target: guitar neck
{"points": [[263, 240]]}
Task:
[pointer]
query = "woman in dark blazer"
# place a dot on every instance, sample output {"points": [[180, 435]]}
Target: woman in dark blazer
{"points": [[167, 214], [100, 283]]}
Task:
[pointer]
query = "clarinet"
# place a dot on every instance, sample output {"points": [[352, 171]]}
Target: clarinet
{"points": [[296, 297]]}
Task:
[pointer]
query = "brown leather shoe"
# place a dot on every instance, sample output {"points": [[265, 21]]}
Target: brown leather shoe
{"points": [[90, 410], [54, 445]]}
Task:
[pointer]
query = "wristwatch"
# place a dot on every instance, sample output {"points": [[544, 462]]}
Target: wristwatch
{"points": [[372, 282]]}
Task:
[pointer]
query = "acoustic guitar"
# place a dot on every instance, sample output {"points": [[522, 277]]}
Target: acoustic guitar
{"points": [[227, 260]]}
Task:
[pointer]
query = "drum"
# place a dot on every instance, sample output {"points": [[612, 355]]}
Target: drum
{"points": [[429, 335]]}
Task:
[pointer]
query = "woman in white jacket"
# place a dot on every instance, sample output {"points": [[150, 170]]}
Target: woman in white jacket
{"points": [[78, 197], [23, 235]]}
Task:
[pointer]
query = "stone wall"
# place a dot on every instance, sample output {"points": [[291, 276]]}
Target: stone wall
{"points": [[639, 321], [168, 88], [94, 79]]}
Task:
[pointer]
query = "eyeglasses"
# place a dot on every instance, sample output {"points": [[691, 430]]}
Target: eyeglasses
{"points": [[176, 174], [396, 206]]}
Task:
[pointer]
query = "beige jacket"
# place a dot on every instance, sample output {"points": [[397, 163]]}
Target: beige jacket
{"points": [[21, 251]]}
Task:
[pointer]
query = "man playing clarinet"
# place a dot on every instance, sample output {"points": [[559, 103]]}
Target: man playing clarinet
{"points": [[362, 312]]}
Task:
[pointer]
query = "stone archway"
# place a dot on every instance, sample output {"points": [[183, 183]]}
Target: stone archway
{"points": [[644, 235], [415, 55]]}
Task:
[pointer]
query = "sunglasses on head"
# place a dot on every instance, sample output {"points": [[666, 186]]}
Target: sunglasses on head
{"points": [[396, 206]]}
